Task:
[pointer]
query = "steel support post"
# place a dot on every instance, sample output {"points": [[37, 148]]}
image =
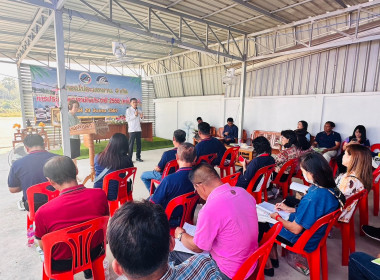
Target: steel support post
{"points": [[61, 79], [21, 90], [243, 81]]}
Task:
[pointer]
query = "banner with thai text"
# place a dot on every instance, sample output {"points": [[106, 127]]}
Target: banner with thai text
{"points": [[98, 94]]}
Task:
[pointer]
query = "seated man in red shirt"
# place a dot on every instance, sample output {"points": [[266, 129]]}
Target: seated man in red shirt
{"points": [[75, 204]]}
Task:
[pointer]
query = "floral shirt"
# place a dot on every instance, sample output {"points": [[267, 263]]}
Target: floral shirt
{"points": [[284, 156], [348, 185]]}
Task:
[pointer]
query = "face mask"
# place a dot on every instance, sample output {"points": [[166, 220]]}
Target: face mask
{"points": [[307, 180]]}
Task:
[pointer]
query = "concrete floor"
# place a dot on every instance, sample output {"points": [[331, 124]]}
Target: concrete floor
{"points": [[21, 262]]}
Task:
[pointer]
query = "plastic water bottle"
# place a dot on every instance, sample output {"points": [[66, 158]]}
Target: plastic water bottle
{"points": [[106, 267], [30, 235]]}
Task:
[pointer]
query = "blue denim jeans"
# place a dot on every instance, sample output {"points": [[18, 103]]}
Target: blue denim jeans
{"points": [[147, 176], [361, 267]]}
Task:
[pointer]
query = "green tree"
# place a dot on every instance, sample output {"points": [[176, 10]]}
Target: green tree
{"points": [[10, 84]]}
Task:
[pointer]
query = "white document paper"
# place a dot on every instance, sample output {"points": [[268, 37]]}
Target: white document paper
{"points": [[264, 217], [190, 229], [298, 187], [270, 208]]}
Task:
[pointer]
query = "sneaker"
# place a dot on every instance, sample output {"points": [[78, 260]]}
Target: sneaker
{"points": [[139, 159], [20, 205], [372, 232]]}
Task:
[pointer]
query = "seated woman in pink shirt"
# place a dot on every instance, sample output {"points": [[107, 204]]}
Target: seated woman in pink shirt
{"points": [[358, 161]]}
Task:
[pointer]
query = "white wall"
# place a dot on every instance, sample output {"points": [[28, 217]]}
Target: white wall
{"points": [[174, 113], [275, 113]]}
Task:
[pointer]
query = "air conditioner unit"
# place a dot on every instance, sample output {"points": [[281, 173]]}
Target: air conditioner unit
{"points": [[229, 78]]}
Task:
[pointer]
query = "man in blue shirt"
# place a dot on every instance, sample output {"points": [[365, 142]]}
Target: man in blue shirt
{"points": [[208, 144], [179, 137], [27, 171], [178, 183], [329, 140], [230, 132]]}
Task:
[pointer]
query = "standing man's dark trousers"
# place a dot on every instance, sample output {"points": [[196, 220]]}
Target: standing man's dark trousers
{"points": [[132, 137]]}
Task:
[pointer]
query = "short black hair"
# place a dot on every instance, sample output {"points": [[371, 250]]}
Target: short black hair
{"points": [[318, 166], [332, 124], [230, 120], [207, 172], [186, 152], [34, 140], [261, 145], [132, 99], [179, 136], [199, 119], [204, 128], [60, 169], [139, 238], [291, 135]]}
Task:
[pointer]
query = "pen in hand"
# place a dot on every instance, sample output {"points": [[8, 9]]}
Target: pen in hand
{"points": [[278, 205]]}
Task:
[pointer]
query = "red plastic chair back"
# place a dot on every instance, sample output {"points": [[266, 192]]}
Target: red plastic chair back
{"points": [[266, 171], [285, 185], [319, 255], [260, 256], [348, 229], [41, 188], [206, 158], [78, 238], [123, 194], [375, 147], [171, 165], [188, 201], [231, 179], [233, 153]]}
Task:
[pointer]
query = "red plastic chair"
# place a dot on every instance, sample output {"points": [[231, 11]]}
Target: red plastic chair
{"points": [[78, 238], [348, 229], [37, 189], [188, 201], [122, 195], [375, 147], [234, 151], [206, 158], [231, 179], [319, 255], [375, 188], [285, 185], [266, 171], [260, 256], [173, 164]]}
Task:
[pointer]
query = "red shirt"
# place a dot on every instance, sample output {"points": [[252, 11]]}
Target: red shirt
{"points": [[74, 205]]}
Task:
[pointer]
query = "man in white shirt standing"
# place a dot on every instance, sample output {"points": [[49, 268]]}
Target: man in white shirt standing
{"points": [[133, 117]]}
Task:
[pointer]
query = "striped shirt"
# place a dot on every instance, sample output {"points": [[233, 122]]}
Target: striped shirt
{"points": [[197, 267]]}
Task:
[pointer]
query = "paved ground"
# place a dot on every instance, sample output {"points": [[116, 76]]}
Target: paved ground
{"points": [[20, 262]]}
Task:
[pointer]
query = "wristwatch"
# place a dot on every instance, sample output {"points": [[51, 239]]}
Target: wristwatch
{"points": [[180, 236]]}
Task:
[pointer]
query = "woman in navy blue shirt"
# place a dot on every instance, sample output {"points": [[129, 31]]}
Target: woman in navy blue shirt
{"points": [[114, 157], [321, 199]]}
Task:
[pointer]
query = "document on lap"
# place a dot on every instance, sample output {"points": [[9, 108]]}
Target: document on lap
{"points": [[299, 187], [190, 229], [271, 208]]}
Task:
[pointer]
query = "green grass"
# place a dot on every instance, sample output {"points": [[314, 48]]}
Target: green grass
{"points": [[158, 143]]}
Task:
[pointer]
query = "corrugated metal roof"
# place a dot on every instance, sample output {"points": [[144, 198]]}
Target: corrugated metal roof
{"points": [[86, 40]]}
